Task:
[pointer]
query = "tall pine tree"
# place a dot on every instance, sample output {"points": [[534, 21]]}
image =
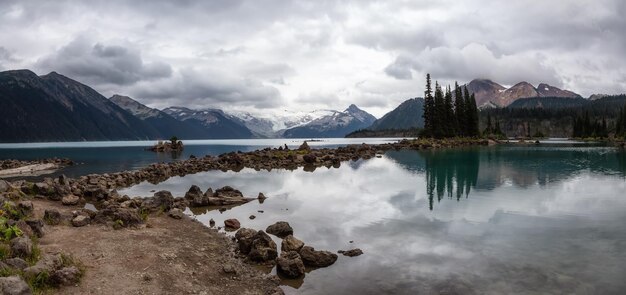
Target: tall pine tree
{"points": [[429, 105]]}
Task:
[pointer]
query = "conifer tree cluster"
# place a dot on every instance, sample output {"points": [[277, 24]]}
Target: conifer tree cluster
{"points": [[620, 124], [448, 113], [493, 129], [584, 128]]}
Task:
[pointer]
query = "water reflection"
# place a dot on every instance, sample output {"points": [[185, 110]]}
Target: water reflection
{"points": [[506, 220]]}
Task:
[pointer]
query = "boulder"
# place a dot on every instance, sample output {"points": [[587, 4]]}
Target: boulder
{"points": [[290, 243], [304, 146], [311, 257], [25, 208], [14, 285], [351, 252], [263, 248], [244, 237], [70, 200], [25, 228], [227, 192], [162, 200], [196, 198], [232, 223], [65, 276], [4, 186], [37, 226], [290, 264], [21, 247], [52, 217], [47, 264], [128, 216], [261, 197], [176, 213], [17, 263], [81, 220], [280, 229], [309, 159]]}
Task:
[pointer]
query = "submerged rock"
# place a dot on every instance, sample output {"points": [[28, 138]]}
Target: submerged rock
{"points": [[311, 257], [280, 229], [290, 264], [351, 252]]}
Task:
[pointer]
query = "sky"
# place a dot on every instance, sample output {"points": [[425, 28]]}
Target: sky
{"points": [[274, 55]]}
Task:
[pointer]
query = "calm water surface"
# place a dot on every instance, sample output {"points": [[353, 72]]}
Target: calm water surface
{"points": [[498, 220], [114, 156]]}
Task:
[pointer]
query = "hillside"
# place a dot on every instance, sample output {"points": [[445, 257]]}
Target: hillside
{"points": [[406, 116], [336, 124]]}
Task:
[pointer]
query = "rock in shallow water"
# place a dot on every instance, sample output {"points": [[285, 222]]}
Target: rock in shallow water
{"points": [[263, 248], [280, 229], [290, 264], [351, 252], [290, 243], [232, 223], [311, 257]]}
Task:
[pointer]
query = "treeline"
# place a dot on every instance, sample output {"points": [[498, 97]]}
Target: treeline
{"points": [[620, 124], [447, 114], [585, 128]]}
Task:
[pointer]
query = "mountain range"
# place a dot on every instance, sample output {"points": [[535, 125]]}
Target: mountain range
{"points": [[53, 107], [492, 94]]}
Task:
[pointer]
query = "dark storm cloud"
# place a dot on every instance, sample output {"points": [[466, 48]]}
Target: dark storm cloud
{"points": [[244, 53], [103, 64], [209, 89]]}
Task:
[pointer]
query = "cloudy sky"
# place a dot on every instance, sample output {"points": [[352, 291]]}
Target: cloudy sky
{"points": [[269, 55]]}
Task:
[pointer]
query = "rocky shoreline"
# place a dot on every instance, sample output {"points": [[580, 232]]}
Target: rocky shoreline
{"points": [[121, 212]]}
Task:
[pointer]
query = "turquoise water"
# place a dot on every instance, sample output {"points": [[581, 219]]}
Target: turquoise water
{"points": [[114, 156], [546, 219]]}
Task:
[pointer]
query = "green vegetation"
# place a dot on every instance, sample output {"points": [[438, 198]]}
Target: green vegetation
{"points": [[444, 118]]}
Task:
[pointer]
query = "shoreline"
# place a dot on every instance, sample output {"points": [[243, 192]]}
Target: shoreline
{"points": [[65, 199]]}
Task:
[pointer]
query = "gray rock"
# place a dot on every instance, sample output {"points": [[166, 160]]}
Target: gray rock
{"points": [[70, 200], [65, 276], [17, 263], [290, 243], [21, 247], [244, 237], [161, 200], [290, 264], [14, 285], [262, 248], [52, 217], [47, 264], [311, 257], [351, 252], [196, 198], [280, 229], [81, 220], [37, 226], [176, 213], [25, 207], [232, 223], [4, 186]]}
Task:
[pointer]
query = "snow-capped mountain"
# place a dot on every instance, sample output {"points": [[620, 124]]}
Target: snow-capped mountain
{"points": [[333, 124], [273, 124], [218, 123]]}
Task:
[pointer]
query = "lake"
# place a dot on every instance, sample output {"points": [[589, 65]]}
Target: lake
{"points": [[548, 218], [491, 220]]}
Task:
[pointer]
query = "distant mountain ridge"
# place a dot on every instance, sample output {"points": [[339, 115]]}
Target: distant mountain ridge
{"points": [[489, 93], [56, 108], [406, 116], [217, 123], [336, 124]]}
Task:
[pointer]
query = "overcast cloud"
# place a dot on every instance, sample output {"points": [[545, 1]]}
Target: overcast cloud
{"points": [[272, 55]]}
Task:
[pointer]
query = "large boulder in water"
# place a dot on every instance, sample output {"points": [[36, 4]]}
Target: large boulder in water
{"points": [[280, 229], [263, 248], [290, 243], [290, 264], [196, 198], [311, 257], [232, 223]]}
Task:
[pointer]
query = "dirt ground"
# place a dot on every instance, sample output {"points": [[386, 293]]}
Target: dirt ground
{"points": [[167, 256]]}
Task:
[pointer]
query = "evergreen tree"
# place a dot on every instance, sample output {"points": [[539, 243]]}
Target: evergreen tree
{"points": [[429, 105], [459, 110], [439, 113], [468, 113], [449, 112], [473, 117], [488, 129]]}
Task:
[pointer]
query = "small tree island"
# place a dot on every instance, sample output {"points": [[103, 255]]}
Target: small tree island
{"points": [[174, 145]]}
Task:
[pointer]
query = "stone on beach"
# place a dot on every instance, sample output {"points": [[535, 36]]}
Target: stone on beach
{"points": [[290, 264], [312, 257], [232, 223], [290, 243]]}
